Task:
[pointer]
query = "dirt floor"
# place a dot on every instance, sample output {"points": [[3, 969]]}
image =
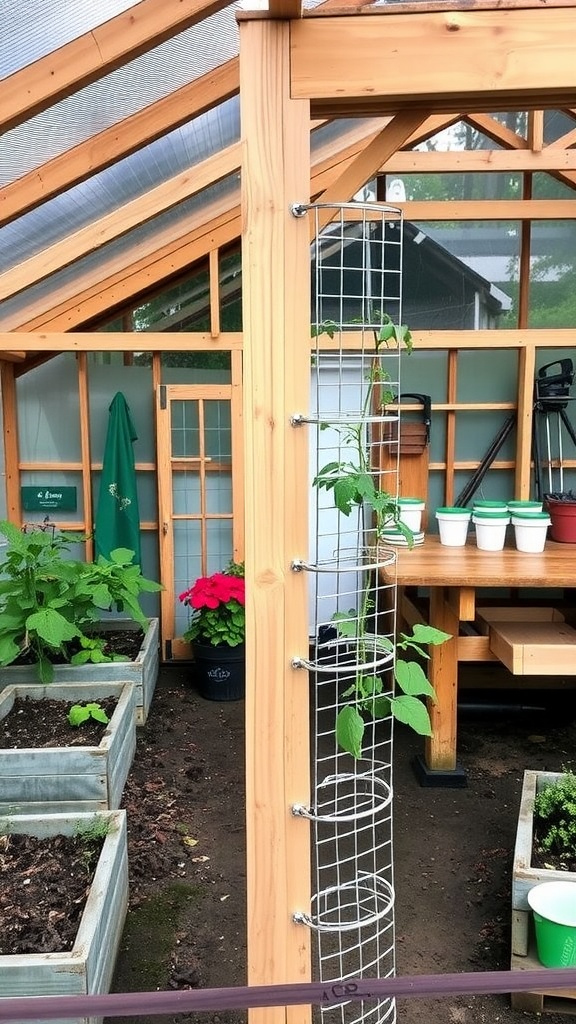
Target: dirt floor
{"points": [[453, 847]]}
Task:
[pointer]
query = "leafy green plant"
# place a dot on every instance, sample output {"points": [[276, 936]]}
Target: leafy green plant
{"points": [[367, 697], [48, 600], [80, 713], [352, 481], [555, 818], [352, 484]]}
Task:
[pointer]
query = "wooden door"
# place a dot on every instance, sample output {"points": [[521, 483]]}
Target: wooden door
{"points": [[199, 493]]}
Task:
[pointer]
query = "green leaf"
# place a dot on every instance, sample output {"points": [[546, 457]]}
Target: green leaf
{"points": [[350, 730], [412, 712], [424, 634], [369, 686], [382, 707], [51, 626], [9, 649], [345, 494], [412, 679], [78, 714]]}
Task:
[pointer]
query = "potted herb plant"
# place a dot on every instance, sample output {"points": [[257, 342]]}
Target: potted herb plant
{"points": [[217, 632], [51, 608]]}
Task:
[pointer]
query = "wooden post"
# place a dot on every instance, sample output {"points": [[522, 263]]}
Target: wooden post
{"points": [[276, 310]]}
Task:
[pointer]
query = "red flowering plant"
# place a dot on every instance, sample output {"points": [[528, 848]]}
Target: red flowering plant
{"points": [[217, 602]]}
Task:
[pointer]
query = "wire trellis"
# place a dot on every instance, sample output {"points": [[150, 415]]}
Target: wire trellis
{"points": [[356, 284]]}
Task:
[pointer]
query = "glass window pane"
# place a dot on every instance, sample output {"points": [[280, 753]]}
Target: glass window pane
{"points": [[186, 492], [218, 493], [185, 429], [219, 542], [218, 430], [49, 412], [553, 274], [187, 566]]}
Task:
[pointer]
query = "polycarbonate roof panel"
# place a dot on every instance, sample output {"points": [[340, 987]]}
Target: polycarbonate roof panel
{"points": [[17, 306], [125, 91], [116, 185], [33, 28]]}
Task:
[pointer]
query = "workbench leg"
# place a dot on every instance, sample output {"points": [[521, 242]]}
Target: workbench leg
{"points": [[439, 767]]}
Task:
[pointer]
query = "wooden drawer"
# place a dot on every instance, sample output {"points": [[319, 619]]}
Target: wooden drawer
{"points": [[535, 648]]}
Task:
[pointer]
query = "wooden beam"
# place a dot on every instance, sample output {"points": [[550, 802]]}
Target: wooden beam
{"points": [[137, 341], [479, 160], [284, 8], [97, 53], [503, 59], [536, 130], [133, 214], [118, 141], [11, 446], [276, 268], [369, 160], [489, 209], [129, 341]]}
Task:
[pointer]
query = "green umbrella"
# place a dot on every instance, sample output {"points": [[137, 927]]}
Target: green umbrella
{"points": [[117, 522]]}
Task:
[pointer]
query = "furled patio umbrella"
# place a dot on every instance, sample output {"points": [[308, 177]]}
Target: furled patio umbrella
{"points": [[117, 523]]}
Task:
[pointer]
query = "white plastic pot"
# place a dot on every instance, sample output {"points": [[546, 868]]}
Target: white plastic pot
{"points": [[453, 525], [490, 530], [410, 512], [530, 529], [524, 508]]}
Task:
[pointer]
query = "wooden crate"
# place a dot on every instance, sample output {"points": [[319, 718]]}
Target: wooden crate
{"points": [[67, 779], [87, 969], [545, 1000], [142, 672]]}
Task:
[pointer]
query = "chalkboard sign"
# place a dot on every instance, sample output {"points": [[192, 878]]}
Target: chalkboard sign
{"points": [[43, 498]]}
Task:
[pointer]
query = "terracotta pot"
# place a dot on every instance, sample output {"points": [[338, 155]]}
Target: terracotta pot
{"points": [[563, 520]]}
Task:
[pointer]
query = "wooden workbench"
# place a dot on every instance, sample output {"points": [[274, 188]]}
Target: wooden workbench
{"points": [[453, 575]]}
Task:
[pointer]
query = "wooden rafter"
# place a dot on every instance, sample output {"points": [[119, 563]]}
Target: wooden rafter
{"points": [[97, 53], [152, 260], [118, 141], [465, 58], [509, 139], [366, 164], [119, 222]]}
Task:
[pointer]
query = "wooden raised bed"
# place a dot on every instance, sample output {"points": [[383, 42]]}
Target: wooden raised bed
{"points": [[76, 778], [524, 878], [87, 969], [142, 672]]}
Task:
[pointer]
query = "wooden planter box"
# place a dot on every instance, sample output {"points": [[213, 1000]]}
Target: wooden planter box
{"points": [[69, 779], [87, 969], [143, 672], [524, 878]]}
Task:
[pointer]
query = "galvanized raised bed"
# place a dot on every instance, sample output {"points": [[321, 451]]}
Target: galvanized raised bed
{"points": [[67, 779], [88, 968], [142, 672]]}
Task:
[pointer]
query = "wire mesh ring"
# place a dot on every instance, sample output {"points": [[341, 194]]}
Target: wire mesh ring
{"points": [[367, 887], [370, 640], [376, 796]]}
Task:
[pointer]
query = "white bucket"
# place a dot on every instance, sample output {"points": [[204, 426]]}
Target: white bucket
{"points": [[410, 512], [530, 531], [453, 526], [490, 531]]}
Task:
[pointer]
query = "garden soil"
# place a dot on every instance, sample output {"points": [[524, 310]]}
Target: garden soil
{"points": [[186, 925]]}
